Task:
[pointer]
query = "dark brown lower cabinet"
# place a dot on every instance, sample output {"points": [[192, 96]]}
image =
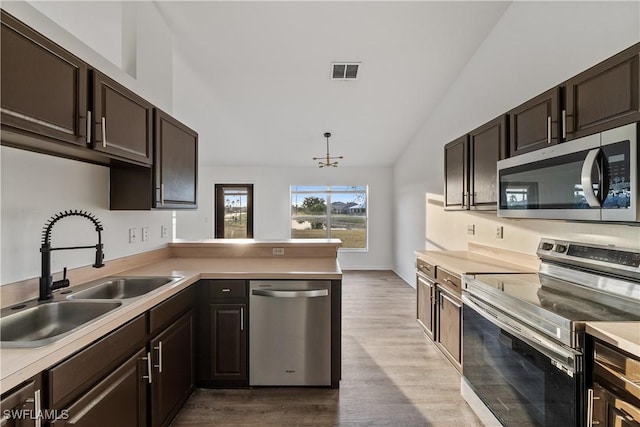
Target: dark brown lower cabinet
{"points": [[172, 370], [449, 323], [228, 343], [426, 309], [19, 404], [118, 400], [222, 356]]}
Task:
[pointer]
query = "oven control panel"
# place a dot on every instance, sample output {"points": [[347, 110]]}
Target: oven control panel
{"points": [[592, 255]]}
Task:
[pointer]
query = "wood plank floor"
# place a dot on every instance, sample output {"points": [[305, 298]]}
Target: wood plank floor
{"points": [[391, 374]]}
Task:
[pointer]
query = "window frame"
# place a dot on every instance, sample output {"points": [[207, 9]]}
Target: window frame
{"points": [[327, 192]]}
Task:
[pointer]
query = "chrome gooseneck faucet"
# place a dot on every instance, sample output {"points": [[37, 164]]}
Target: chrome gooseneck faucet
{"points": [[47, 285]]}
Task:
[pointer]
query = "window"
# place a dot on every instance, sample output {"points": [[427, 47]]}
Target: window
{"points": [[323, 212], [234, 211]]}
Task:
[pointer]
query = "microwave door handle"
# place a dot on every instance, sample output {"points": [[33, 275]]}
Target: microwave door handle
{"points": [[585, 177]]}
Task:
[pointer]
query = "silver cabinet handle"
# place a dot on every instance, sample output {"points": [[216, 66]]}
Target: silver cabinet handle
{"points": [[585, 178], [242, 318], [159, 348], [589, 407], [162, 194], [564, 124], [104, 132], [89, 126], [148, 359], [291, 294], [36, 409], [548, 129]]}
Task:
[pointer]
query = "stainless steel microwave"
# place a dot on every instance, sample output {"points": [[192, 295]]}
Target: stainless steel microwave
{"points": [[594, 178]]}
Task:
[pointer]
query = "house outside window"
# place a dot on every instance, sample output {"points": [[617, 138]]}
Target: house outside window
{"points": [[325, 212]]}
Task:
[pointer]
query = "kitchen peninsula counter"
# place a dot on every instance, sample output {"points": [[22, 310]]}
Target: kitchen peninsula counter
{"points": [[210, 259]]}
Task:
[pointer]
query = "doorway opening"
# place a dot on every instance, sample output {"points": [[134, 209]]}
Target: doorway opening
{"points": [[234, 211]]}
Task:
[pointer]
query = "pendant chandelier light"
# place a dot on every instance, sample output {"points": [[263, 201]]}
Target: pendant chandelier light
{"points": [[327, 161]]}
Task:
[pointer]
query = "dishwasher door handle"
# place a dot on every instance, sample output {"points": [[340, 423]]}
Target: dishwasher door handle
{"points": [[290, 294]]}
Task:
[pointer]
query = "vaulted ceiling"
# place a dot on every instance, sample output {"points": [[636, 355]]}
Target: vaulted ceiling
{"points": [[266, 67]]}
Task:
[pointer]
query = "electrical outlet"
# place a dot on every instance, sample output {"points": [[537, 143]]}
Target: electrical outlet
{"points": [[164, 232], [133, 235], [499, 232], [145, 234], [278, 251], [471, 229]]}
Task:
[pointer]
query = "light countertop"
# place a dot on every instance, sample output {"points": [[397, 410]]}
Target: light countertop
{"points": [[19, 364], [624, 335], [467, 262]]}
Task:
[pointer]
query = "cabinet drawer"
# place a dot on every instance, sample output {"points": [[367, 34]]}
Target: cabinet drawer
{"points": [[227, 288], [449, 280], [78, 372], [426, 268], [162, 314]]}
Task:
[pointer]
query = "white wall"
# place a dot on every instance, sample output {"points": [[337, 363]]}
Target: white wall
{"points": [[34, 187], [272, 205], [520, 235], [534, 46]]}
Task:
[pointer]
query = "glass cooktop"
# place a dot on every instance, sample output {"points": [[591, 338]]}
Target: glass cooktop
{"points": [[562, 298]]}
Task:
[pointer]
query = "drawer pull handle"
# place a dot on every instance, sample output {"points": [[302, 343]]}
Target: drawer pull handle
{"points": [[226, 290]]}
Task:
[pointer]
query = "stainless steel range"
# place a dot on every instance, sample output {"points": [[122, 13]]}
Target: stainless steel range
{"points": [[523, 334]]}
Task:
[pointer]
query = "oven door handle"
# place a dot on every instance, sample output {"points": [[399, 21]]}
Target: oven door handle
{"points": [[566, 358]]}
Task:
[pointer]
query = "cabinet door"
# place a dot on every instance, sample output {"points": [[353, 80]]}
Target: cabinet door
{"points": [[228, 342], [122, 121], [456, 175], [487, 145], [426, 299], [44, 87], [449, 328], [173, 375], [118, 400], [176, 163], [18, 406], [604, 96], [536, 123]]}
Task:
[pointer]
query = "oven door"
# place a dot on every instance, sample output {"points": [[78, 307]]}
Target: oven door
{"points": [[521, 381]]}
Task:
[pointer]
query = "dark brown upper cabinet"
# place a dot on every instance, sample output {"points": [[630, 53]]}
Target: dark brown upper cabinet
{"points": [[176, 163], [171, 183], [487, 145], [44, 92], [536, 123], [456, 173], [470, 167], [605, 96], [122, 121]]}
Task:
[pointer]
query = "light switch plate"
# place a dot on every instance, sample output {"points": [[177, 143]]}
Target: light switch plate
{"points": [[499, 232], [471, 229], [164, 231], [145, 234]]}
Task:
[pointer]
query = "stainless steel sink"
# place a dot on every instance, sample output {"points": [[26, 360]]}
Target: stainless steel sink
{"points": [[122, 288], [44, 323]]}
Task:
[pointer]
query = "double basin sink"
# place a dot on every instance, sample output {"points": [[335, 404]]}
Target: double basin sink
{"points": [[35, 324]]}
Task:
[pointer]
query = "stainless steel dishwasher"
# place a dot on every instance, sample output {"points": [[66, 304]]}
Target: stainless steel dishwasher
{"points": [[289, 333]]}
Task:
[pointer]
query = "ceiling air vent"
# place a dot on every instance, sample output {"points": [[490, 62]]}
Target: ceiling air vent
{"points": [[345, 70]]}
